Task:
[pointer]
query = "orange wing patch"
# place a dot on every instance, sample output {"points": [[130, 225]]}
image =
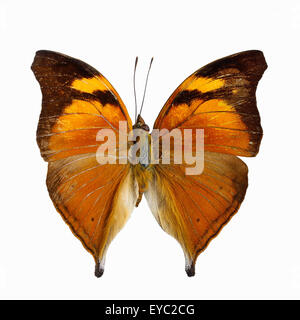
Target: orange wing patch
{"points": [[89, 85], [220, 98], [206, 84]]}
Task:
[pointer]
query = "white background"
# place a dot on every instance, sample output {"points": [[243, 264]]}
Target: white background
{"points": [[256, 255]]}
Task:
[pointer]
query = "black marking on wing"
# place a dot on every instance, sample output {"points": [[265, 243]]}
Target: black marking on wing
{"points": [[106, 97], [186, 96]]}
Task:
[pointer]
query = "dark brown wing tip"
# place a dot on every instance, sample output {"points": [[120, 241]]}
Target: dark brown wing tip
{"points": [[190, 270], [41, 53], [84, 69], [98, 270], [252, 61]]}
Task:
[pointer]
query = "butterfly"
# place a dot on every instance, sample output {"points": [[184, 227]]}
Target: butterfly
{"points": [[96, 199]]}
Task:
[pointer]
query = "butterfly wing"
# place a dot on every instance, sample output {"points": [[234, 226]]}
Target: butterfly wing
{"points": [[219, 98], [94, 199], [78, 101], [194, 208]]}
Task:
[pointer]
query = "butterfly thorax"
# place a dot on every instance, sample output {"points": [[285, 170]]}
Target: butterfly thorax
{"points": [[141, 147], [141, 169]]}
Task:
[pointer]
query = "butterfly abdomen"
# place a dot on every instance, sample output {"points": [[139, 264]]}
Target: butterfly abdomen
{"points": [[142, 175]]}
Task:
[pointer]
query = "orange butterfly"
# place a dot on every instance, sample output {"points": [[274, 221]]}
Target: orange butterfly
{"points": [[95, 199]]}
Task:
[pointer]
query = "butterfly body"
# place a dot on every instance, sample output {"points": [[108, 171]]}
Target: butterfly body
{"points": [[96, 199]]}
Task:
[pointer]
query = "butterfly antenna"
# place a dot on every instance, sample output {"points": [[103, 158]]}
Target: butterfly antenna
{"points": [[146, 86], [136, 61]]}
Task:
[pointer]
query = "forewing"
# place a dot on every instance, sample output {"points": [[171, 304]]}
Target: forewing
{"points": [[78, 101], [220, 98]]}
